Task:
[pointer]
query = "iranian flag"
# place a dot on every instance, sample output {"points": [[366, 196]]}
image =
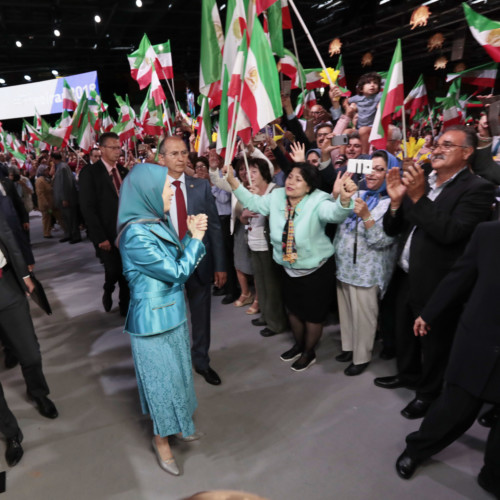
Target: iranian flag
{"points": [[235, 35], [451, 107], [151, 116], [480, 76], [69, 101], [309, 101], [261, 96], [32, 134], [204, 137], [392, 96], [485, 31], [290, 67], [417, 97], [163, 62], [341, 79], [58, 136], [212, 44], [313, 78], [273, 26], [107, 122], [262, 5], [125, 130], [142, 62]]}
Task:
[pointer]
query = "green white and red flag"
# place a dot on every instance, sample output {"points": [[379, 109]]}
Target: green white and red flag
{"points": [[125, 111], [125, 130], [341, 79], [451, 106], [290, 67], [485, 31], [107, 122], [313, 78], [212, 45], [151, 116], [417, 98], [262, 5], [261, 96], [32, 135], [58, 136], [163, 63], [235, 35], [168, 121], [204, 137], [273, 27], [392, 96], [306, 98], [479, 76], [18, 155], [68, 99]]}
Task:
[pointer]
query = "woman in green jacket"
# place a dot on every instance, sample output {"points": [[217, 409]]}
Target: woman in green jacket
{"points": [[298, 214]]}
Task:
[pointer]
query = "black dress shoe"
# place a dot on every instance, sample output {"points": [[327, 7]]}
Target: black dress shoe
{"points": [[45, 406], [258, 322], [387, 354], [353, 369], [107, 301], [416, 409], [14, 451], [406, 466], [76, 240], [64, 240], [344, 357], [209, 375], [229, 299], [392, 382], [267, 332], [219, 292], [487, 419], [10, 360]]}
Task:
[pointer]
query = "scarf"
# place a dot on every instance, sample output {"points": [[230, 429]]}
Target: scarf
{"points": [[288, 240]]}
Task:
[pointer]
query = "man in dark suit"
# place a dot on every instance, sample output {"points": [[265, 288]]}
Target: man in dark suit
{"points": [[16, 325], [435, 220], [99, 192], [193, 196], [473, 373]]}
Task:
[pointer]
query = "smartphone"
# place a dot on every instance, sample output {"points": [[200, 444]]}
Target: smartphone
{"points": [[340, 140], [356, 166]]}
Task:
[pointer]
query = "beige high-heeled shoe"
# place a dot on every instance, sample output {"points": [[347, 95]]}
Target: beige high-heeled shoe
{"points": [[254, 308], [169, 465], [244, 300]]}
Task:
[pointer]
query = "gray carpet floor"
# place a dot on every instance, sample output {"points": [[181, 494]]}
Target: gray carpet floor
{"points": [[284, 435]]}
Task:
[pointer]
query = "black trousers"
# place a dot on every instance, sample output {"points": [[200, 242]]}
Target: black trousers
{"points": [[113, 274], [421, 360], [69, 217], [17, 328], [199, 298], [8, 423], [447, 419], [232, 280]]}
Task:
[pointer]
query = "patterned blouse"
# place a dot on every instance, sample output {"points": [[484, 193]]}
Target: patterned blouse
{"points": [[376, 252]]}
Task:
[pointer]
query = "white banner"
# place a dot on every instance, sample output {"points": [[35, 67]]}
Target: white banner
{"points": [[20, 101]]}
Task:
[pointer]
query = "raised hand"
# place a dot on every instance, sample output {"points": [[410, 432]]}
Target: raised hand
{"points": [[347, 189], [414, 181], [298, 152], [341, 178], [395, 188]]}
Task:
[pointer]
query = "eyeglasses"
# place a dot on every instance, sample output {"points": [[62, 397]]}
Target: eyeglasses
{"points": [[176, 154], [322, 135], [379, 170], [115, 148], [446, 146]]}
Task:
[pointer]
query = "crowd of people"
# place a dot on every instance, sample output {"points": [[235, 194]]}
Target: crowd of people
{"points": [[405, 253]]}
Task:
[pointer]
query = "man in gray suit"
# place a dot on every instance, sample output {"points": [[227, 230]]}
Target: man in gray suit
{"points": [[193, 196]]}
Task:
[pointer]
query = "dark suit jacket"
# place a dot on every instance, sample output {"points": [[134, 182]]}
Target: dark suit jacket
{"points": [[12, 253], [475, 356], [99, 201], [442, 230], [201, 200]]}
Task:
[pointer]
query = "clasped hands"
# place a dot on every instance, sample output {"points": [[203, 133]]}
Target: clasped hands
{"points": [[197, 225], [412, 183]]}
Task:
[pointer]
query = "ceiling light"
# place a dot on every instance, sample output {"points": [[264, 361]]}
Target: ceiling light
{"points": [[55, 72], [138, 3], [97, 18], [27, 77], [429, 2], [2, 81], [19, 44], [222, 7], [57, 32], [383, 1]]}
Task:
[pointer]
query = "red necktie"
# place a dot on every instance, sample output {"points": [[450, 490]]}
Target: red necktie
{"points": [[116, 179], [180, 204]]}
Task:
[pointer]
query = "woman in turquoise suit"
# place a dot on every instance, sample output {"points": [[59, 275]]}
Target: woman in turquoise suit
{"points": [[156, 265]]}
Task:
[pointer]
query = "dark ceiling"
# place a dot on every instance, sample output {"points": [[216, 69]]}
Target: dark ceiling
{"points": [[85, 45]]}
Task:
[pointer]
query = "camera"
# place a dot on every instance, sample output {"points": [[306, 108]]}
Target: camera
{"points": [[340, 140]]}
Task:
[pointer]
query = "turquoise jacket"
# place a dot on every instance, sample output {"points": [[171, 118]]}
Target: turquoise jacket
{"points": [[312, 214], [156, 265]]}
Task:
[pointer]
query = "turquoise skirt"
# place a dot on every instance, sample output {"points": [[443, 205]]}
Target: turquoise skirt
{"points": [[165, 380]]}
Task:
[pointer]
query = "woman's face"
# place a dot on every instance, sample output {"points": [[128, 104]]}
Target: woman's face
{"points": [[242, 174], [428, 140], [295, 185], [377, 177], [167, 195], [201, 170], [256, 177], [313, 159]]}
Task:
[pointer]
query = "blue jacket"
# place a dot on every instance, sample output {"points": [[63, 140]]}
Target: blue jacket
{"points": [[313, 212], [156, 265]]}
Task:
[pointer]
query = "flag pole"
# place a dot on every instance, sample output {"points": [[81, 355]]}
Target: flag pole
{"points": [[298, 62], [245, 159], [430, 119], [404, 130], [318, 55]]}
